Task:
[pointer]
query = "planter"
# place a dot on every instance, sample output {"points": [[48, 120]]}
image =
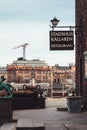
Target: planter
{"points": [[74, 104], [27, 101], [24, 101]]}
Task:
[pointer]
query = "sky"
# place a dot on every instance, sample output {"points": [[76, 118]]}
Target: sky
{"points": [[28, 21]]}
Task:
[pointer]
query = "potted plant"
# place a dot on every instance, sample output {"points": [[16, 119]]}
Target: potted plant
{"points": [[74, 102]]}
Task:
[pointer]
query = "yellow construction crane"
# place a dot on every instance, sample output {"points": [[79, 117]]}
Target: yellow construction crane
{"points": [[24, 46]]}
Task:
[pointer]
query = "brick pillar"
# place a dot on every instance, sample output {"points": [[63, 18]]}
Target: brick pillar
{"points": [[81, 47]]}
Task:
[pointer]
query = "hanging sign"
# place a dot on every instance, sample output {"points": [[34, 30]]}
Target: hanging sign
{"points": [[61, 40]]}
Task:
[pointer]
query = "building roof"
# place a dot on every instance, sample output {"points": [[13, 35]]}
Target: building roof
{"points": [[34, 62]]}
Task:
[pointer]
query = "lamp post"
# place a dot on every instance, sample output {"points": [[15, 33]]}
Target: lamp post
{"points": [[51, 84]]}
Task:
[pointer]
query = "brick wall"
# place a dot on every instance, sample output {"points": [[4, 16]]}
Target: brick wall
{"points": [[81, 47]]}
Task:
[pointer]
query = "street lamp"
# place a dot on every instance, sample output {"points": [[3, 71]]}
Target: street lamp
{"points": [[54, 22]]}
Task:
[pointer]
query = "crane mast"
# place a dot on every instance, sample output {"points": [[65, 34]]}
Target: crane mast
{"points": [[24, 48]]}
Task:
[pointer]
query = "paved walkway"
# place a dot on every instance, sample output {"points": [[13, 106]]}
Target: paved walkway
{"points": [[52, 118], [56, 102]]}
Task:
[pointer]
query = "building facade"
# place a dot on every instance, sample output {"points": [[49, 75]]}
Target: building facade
{"points": [[81, 48], [23, 71], [3, 72], [63, 79]]}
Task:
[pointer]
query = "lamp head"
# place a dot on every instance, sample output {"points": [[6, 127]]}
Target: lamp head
{"points": [[54, 21]]}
